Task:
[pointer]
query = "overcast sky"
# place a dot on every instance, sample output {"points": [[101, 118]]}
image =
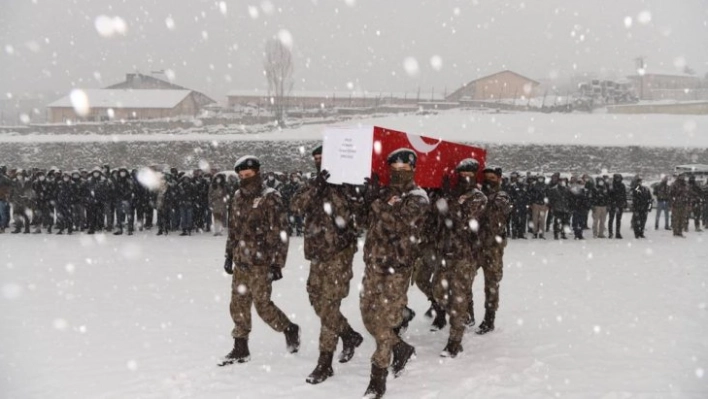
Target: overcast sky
{"points": [[373, 45]]}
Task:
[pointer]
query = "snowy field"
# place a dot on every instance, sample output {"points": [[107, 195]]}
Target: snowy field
{"points": [[454, 125], [147, 317]]}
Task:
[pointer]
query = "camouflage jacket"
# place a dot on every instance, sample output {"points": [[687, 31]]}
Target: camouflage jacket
{"points": [[330, 219], [258, 228], [394, 230], [680, 195], [493, 221], [459, 216]]}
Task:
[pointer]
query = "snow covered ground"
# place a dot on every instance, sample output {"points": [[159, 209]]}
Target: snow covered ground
{"points": [[147, 317], [456, 125]]}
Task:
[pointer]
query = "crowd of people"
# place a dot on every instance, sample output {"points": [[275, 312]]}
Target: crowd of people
{"points": [[117, 201], [567, 204]]}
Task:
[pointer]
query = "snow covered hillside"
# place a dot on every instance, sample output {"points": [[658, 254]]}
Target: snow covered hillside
{"points": [[147, 317]]}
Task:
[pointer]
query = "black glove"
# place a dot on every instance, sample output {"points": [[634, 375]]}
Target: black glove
{"points": [[446, 187], [274, 274], [373, 188], [228, 265], [321, 180]]}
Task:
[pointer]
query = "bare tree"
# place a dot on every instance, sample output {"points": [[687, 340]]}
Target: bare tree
{"points": [[278, 68]]}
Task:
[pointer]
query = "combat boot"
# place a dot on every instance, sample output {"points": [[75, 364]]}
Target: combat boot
{"points": [[118, 232], [452, 349], [377, 383], [323, 370], [18, 229], [440, 321], [350, 341], [292, 338], [402, 353], [488, 323], [239, 354]]}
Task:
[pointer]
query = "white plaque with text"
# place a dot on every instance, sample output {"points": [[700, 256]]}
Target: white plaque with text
{"points": [[346, 154]]}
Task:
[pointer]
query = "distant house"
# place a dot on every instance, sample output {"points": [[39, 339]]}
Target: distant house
{"points": [[138, 81], [126, 104], [504, 84], [668, 86]]}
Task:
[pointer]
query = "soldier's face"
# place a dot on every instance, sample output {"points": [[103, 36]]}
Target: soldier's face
{"points": [[246, 173], [400, 166], [492, 178], [467, 175]]}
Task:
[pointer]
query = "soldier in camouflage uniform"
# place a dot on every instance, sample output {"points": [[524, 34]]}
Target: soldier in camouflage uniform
{"points": [[255, 254], [396, 215], [457, 236], [492, 241], [680, 204], [330, 213]]}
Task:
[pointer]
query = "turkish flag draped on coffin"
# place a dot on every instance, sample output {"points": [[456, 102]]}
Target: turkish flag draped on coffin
{"points": [[355, 153]]}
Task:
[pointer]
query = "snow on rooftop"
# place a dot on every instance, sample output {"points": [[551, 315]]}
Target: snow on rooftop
{"points": [[116, 98]]}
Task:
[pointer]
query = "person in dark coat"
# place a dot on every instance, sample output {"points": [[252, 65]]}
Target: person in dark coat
{"points": [[518, 193], [186, 194], [67, 194], [124, 193], [558, 200], [93, 201], [579, 203], [599, 199], [617, 203], [641, 201], [662, 192]]}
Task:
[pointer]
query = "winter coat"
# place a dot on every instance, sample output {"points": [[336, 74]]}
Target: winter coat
{"points": [[538, 193], [641, 198], [459, 214], [559, 198], [394, 230], [67, 193], [218, 198], [662, 191], [618, 195], [186, 192], [258, 228], [679, 192], [124, 189], [43, 191], [518, 194], [599, 196], [22, 194], [330, 219], [92, 190], [579, 198]]}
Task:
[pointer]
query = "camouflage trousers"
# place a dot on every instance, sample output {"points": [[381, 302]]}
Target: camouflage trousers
{"points": [[679, 218], [327, 285], [383, 298], [423, 271], [452, 287], [490, 261], [250, 285]]}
